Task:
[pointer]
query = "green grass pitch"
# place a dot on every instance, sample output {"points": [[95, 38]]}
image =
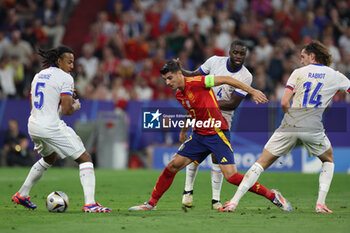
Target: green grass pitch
{"points": [[120, 190]]}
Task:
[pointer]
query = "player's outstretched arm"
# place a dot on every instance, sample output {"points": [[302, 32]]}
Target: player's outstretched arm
{"points": [[257, 95]]}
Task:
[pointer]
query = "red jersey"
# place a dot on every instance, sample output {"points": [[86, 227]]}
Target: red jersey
{"points": [[201, 103]]}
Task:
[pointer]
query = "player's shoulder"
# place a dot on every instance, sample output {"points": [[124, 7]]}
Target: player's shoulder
{"points": [[217, 59], [245, 73]]}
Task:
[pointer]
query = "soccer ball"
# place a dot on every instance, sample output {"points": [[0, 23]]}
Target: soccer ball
{"points": [[57, 202]]}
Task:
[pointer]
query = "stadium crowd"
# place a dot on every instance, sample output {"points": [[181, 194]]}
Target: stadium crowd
{"points": [[131, 39]]}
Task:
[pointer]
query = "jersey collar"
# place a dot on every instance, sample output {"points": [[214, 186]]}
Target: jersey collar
{"points": [[317, 64]]}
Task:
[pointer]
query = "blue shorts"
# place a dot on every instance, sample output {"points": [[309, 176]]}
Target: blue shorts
{"points": [[198, 147]]}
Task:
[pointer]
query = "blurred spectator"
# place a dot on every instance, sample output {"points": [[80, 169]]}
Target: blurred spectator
{"points": [[11, 22], [110, 61], [334, 51], [34, 34], [97, 39], [20, 48], [261, 7], [107, 28], [7, 78], [275, 68], [310, 30], [119, 92], [344, 42], [261, 80], [26, 9], [51, 17], [4, 42], [88, 61], [203, 20], [195, 44], [16, 146], [18, 75], [142, 90], [344, 67], [81, 80], [321, 19], [263, 50]]}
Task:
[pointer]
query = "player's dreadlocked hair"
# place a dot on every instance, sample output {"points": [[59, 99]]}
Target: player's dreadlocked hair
{"points": [[321, 52], [171, 66], [50, 57]]}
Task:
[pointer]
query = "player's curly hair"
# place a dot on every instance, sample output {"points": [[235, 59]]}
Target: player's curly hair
{"points": [[321, 52], [50, 57], [171, 66]]}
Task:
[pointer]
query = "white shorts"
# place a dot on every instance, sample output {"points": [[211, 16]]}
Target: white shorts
{"points": [[65, 142], [282, 143]]}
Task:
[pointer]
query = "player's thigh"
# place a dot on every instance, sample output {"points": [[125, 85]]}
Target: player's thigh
{"points": [[42, 146], [220, 146], [178, 162], [67, 143], [316, 143], [194, 148], [281, 143]]}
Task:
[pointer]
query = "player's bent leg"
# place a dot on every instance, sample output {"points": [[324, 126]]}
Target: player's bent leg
{"points": [[88, 182], [216, 183], [36, 172], [325, 180], [164, 181], [191, 173]]}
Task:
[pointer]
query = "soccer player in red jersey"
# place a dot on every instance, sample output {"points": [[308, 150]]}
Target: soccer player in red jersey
{"points": [[210, 131]]}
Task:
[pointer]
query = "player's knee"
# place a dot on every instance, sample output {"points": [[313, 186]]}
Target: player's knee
{"points": [[85, 157], [51, 159]]}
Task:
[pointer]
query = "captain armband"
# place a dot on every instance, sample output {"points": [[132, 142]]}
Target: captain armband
{"points": [[209, 80]]}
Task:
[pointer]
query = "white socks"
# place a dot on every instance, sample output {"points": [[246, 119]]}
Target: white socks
{"points": [[87, 179], [216, 181], [326, 176], [191, 173], [248, 181], [35, 173]]}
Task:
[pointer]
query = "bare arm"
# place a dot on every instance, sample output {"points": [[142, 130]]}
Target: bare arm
{"points": [[69, 105], [232, 104], [257, 95], [287, 97], [188, 73]]}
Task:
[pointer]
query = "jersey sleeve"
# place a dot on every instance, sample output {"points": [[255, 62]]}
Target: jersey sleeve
{"points": [[196, 81], [206, 66], [67, 86], [292, 80], [343, 82], [246, 79]]}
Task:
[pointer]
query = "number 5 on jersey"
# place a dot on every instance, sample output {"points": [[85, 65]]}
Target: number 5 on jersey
{"points": [[39, 96]]}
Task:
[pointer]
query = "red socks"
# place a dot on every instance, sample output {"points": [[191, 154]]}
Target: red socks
{"points": [[163, 183], [257, 188]]}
